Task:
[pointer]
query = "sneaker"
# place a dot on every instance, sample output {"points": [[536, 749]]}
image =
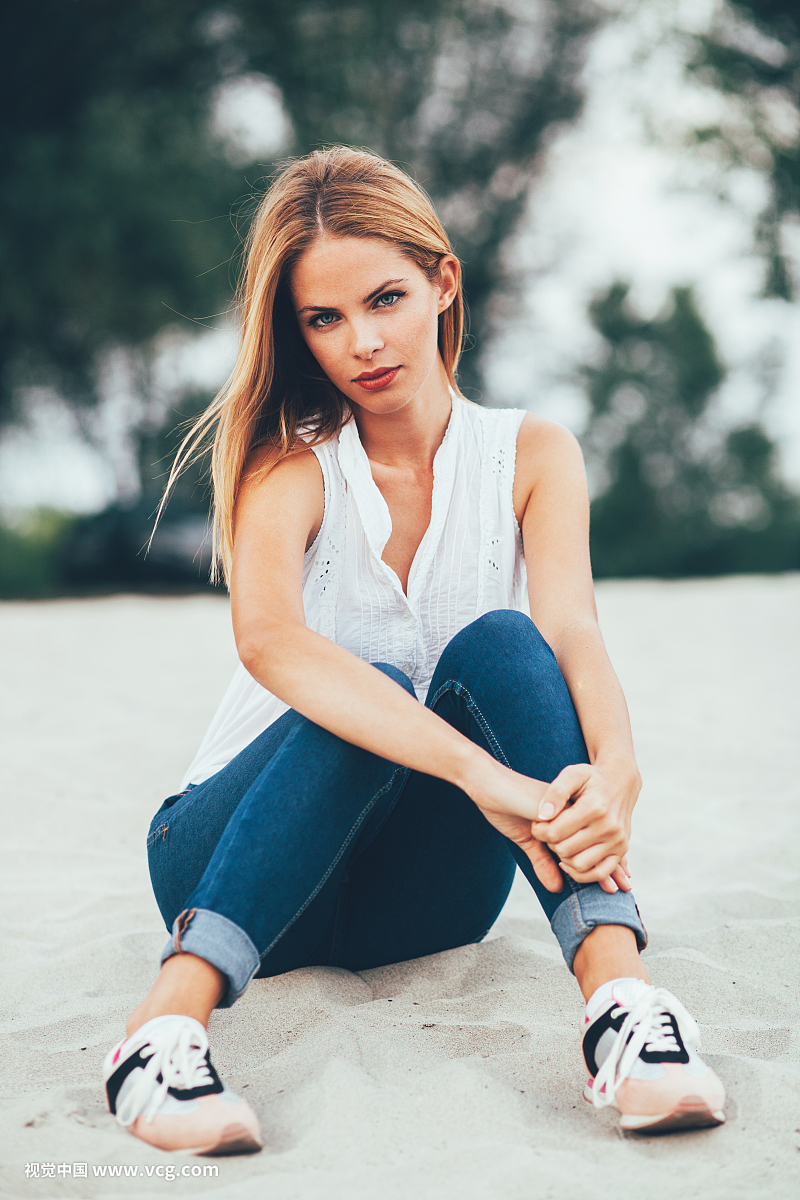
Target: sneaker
{"points": [[162, 1087], [640, 1049]]}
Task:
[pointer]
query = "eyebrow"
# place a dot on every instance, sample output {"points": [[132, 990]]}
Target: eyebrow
{"points": [[366, 300]]}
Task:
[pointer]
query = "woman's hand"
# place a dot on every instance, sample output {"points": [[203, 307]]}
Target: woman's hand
{"points": [[510, 802], [593, 837], [586, 814]]}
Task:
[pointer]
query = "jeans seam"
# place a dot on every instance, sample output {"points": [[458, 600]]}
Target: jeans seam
{"points": [[381, 792], [183, 922], [161, 831], [377, 832], [474, 709], [154, 836], [577, 915]]}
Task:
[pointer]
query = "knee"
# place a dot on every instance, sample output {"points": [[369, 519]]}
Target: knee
{"points": [[502, 622], [397, 675], [503, 633]]}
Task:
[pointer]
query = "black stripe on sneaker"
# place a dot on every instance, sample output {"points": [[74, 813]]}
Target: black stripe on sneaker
{"points": [[667, 1056], [207, 1089], [115, 1081], [607, 1021], [595, 1031]]}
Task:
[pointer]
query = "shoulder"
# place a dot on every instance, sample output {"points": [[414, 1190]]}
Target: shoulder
{"points": [[538, 441], [293, 487], [545, 443], [549, 464], [299, 468]]}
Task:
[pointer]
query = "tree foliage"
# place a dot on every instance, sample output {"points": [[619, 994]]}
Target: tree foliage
{"points": [[752, 54], [462, 92], [676, 497], [121, 208], [116, 202]]}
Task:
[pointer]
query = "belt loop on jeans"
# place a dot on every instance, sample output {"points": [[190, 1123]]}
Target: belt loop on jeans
{"points": [[182, 922]]}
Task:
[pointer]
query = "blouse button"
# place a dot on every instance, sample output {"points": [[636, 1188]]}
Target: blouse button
{"points": [[408, 616]]}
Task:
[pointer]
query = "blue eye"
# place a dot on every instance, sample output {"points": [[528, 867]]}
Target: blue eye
{"points": [[322, 320], [388, 299]]}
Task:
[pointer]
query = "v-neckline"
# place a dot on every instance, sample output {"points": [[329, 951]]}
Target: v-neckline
{"points": [[374, 511]]}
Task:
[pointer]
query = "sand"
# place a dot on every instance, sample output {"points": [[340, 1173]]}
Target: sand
{"points": [[455, 1076]]}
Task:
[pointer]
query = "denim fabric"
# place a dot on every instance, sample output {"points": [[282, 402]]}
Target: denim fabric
{"points": [[307, 850]]}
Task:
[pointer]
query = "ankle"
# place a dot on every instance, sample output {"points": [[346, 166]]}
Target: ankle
{"points": [[135, 1021], [186, 985], [608, 952], [626, 990], [149, 1011]]}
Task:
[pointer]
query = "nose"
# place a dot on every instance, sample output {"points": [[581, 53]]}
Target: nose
{"points": [[366, 338]]}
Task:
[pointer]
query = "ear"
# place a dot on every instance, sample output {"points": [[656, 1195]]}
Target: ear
{"points": [[449, 276]]}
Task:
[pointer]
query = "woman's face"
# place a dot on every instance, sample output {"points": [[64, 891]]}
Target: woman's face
{"points": [[369, 316]]}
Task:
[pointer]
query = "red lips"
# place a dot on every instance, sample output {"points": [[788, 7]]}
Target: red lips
{"points": [[373, 381]]}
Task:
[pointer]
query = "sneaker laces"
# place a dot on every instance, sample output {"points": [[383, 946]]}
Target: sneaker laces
{"points": [[179, 1057], [646, 1025]]}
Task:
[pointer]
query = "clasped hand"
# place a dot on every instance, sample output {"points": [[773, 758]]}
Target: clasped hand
{"points": [[580, 822], [586, 821]]}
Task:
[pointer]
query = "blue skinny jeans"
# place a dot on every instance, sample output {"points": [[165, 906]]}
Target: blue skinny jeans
{"points": [[306, 850]]}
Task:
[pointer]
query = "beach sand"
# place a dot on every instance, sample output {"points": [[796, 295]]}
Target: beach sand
{"points": [[454, 1077]]}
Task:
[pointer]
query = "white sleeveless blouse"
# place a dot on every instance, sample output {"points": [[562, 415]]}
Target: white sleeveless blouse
{"points": [[468, 563]]}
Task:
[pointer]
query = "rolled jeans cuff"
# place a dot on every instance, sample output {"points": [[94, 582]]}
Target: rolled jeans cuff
{"points": [[220, 942], [587, 907]]}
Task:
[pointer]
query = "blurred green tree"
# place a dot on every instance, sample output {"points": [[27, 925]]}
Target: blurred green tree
{"points": [[752, 55], [30, 554], [119, 204], [114, 200], [465, 93], [116, 197], [673, 496]]}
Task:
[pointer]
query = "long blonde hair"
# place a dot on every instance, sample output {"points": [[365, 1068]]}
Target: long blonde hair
{"points": [[276, 388]]}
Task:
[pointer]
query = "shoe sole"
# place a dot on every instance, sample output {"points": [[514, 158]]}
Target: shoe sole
{"points": [[691, 1113], [234, 1139]]}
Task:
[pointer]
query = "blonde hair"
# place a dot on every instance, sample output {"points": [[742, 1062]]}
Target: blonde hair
{"points": [[277, 389]]}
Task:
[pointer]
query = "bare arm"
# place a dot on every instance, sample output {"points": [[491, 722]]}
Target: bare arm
{"points": [[276, 520], [591, 834]]}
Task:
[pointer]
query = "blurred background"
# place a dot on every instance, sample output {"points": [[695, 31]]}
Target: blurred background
{"points": [[621, 181]]}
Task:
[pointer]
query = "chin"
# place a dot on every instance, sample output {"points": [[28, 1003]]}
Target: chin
{"points": [[390, 401]]}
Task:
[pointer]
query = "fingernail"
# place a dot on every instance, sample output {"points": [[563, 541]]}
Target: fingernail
{"points": [[613, 884], [546, 811]]}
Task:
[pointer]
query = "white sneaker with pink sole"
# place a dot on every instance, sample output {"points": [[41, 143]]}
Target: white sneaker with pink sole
{"points": [[162, 1087], [640, 1049]]}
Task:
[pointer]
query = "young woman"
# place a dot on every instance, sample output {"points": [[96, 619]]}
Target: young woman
{"points": [[398, 736]]}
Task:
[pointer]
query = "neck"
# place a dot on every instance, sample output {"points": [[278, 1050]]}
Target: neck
{"points": [[414, 432]]}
